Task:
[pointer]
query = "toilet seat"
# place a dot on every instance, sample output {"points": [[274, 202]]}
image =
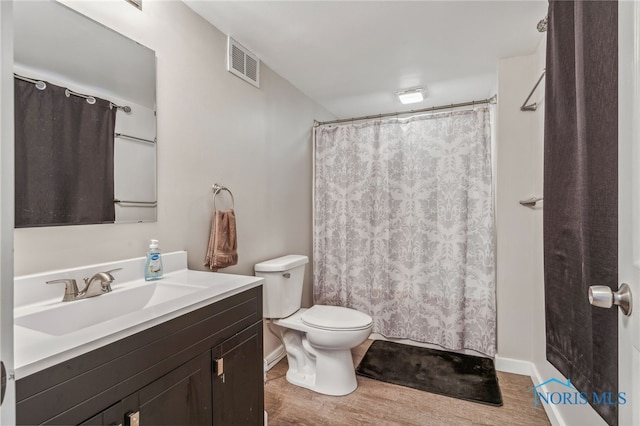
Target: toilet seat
{"points": [[335, 318]]}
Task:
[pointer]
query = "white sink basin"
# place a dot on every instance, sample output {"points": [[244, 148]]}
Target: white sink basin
{"points": [[65, 317], [48, 331]]}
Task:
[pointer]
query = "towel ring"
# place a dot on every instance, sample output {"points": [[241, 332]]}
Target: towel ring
{"points": [[216, 190]]}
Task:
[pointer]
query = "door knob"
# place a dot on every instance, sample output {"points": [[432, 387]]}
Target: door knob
{"points": [[603, 297]]}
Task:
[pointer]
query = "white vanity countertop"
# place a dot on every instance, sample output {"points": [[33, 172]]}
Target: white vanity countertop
{"points": [[35, 350]]}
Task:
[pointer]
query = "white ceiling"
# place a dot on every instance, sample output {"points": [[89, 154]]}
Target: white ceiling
{"points": [[350, 56]]}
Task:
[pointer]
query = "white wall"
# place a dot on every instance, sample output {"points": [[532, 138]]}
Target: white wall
{"points": [[212, 128], [518, 176]]}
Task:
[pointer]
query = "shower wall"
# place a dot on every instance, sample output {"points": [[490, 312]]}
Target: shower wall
{"points": [[518, 176]]}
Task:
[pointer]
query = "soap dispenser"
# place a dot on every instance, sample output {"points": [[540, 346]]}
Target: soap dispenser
{"points": [[153, 267]]}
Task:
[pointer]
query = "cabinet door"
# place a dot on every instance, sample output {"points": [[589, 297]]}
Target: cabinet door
{"points": [[238, 384], [181, 397]]}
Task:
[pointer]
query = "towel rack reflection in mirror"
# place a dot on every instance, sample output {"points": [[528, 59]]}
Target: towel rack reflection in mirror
{"points": [[216, 190], [126, 203]]}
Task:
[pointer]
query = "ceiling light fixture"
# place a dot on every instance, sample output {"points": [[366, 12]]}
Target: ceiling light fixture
{"points": [[411, 96]]}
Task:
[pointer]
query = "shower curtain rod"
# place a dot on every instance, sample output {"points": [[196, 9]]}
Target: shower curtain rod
{"points": [[491, 100], [41, 85]]}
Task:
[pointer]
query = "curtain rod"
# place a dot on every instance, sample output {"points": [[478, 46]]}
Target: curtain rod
{"points": [[491, 100], [41, 85]]}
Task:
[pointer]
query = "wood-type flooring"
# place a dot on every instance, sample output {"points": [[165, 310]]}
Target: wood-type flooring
{"points": [[379, 403]]}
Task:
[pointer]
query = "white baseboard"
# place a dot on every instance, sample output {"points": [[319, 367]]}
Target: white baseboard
{"points": [[275, 356], [514, 366], [552, 410]]}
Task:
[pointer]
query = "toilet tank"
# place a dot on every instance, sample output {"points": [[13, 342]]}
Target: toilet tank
{"points": [[283, 279]]}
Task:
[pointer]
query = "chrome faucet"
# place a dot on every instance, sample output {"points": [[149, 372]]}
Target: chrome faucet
{"points": [[99, 283]]}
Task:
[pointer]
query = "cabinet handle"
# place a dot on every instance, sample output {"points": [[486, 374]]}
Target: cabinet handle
{"points": [[219, 366], [134, 419]]}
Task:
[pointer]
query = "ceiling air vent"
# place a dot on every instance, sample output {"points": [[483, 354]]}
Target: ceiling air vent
{"points": [[243, 63]]}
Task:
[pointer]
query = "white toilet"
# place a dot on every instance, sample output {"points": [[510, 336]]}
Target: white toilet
{"points": [[318, 340]]}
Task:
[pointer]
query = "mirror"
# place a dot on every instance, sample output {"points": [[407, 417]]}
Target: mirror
{"points": [[84, 59]]}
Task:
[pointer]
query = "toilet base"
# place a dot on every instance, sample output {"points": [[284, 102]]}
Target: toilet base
{"points": [[329, 372]]}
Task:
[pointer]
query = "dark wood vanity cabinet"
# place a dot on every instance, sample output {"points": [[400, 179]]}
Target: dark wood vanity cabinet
{"points": [[202, 368]]}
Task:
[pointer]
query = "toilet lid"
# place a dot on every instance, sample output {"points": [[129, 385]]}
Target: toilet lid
{"points": [[335, 318]]}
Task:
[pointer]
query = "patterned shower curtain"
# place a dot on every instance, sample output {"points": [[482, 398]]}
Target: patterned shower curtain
{"points": [[404, 226]]}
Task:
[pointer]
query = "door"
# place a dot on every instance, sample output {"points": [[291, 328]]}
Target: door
{"points": [[629, 207], [7, 408]]}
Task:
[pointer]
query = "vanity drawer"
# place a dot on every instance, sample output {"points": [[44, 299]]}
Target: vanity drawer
{"points": [[77, 389]]}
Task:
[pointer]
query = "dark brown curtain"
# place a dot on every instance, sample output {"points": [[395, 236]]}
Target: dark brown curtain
{"points": [[63, 158], [581, 193]]}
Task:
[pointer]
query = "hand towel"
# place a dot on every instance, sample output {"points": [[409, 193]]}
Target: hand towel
{"points": [[223, 242]]}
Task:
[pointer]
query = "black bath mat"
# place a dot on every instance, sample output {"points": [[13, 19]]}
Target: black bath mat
{"points": [[460, 376]]}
